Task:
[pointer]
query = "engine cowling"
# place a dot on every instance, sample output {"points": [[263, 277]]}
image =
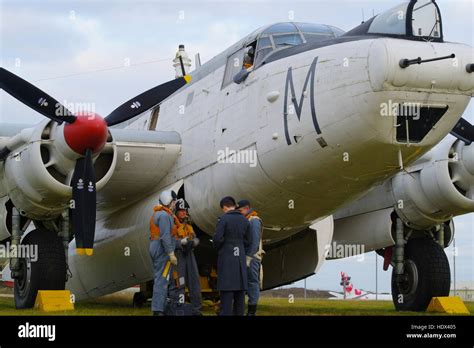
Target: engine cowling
{"points": [[438, 187], [37, 173]]}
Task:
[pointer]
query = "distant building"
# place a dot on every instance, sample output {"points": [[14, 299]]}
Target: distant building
{"points": [[465, 290]]}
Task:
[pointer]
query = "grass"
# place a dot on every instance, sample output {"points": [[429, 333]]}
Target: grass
{"points": [[120, 305]]}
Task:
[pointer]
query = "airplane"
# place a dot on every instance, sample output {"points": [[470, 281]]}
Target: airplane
{"points": [[357, 294], [351, 135]]}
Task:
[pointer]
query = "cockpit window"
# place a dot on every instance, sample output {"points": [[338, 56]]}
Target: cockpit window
{"points": [[264, 47], [425, 20], [279, 28], [287, 40], [392, 21], [418, 19], [337, 32], [316, 32], [284, 35], [277, 36]]}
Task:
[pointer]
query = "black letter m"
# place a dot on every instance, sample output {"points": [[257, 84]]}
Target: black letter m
{"points": [[299, 106]]}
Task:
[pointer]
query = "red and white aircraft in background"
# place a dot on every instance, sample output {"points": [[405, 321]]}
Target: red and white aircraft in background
{"points": [[349, 292]]}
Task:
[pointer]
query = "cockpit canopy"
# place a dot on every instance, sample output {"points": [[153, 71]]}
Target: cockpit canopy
{"points": [[283, 35], [254, 50], [414, 20]]}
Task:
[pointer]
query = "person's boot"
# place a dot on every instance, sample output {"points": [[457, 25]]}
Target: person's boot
{"points": [[252, 310], [158, 314]]}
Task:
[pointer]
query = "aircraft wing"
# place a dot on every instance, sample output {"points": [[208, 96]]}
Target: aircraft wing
{"points": [[336, 295]]}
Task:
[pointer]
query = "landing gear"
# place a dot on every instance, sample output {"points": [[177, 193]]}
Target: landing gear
{"points": [[139, 299], [146, 292], [45, 270], [426, 274]]}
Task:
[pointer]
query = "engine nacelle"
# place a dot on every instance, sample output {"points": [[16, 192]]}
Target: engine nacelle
{"points": [[437, 187], [38, 173]]}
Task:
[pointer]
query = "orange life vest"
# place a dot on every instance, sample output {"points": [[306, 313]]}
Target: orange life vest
{"points": [[253, 213], [182, 230], [154, 229]]}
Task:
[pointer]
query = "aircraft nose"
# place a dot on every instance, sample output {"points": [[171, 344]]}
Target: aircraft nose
{"points": [[446, 71]]}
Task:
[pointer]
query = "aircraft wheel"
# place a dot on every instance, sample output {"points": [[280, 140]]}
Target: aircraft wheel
{"points": [[426, 275], [139, 299], [46, 272]]}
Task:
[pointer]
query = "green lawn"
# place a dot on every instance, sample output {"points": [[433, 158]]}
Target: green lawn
{"points": [[121, 305]]}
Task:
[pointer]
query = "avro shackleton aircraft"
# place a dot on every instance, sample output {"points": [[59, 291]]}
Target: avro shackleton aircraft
{"points": [[340, 161]]}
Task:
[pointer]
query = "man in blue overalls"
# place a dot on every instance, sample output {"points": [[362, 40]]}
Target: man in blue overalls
{"points": [[162, 245]]}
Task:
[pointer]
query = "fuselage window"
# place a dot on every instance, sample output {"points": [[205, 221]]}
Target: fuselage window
{"points": [[154, 118]]}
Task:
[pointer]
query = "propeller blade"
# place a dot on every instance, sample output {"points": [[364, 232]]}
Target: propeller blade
{"points": [[34, 97], [84, 209], [464, 131], [145, 101]]}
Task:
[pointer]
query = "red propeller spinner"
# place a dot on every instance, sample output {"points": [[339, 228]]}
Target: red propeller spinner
{"points": [[88, 131]]}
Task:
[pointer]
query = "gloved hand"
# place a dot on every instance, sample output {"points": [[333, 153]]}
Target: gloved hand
{"points": [[173, 259], [184, 241], [248, 259], [195, 241]]}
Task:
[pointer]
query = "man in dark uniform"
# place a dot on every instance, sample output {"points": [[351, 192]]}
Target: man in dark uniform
{"points": [[232, 239]]}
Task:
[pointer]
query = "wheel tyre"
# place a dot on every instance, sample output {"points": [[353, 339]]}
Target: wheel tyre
{"points": [[47, 272], [427, 275], [138, 300]]}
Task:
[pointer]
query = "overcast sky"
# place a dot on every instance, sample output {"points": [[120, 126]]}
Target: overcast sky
{"points": [[79, 52]]}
